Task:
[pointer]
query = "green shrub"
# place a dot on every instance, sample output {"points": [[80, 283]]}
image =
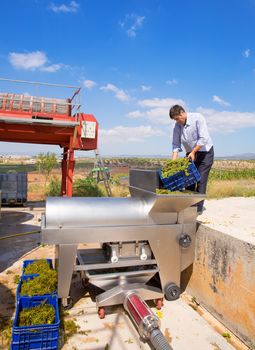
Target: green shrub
{"points": [[54, 187], [86, 188]]}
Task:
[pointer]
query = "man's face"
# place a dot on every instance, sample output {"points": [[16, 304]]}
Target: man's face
{"points": [[181, 118]]}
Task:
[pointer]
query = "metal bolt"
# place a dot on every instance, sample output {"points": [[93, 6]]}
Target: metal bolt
{"points": [[185, 241]]}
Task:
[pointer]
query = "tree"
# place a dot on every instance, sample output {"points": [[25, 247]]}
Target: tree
{"points": [[45, 162]]}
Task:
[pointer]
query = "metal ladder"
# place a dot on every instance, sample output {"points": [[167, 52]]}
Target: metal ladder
{"points": [[100, 164]]}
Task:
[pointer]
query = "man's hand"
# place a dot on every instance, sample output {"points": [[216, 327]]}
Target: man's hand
{"points": [[192, 156]]}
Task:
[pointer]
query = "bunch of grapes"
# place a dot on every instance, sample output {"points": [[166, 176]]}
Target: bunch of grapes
{"points": [[173, 166]]}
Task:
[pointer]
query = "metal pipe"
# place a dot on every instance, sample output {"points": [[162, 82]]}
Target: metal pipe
{"points": [[30, 121], [158, 340], [147, 323], [40, 83], [40, 99]]}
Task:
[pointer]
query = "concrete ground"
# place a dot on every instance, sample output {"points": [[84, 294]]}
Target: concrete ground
{"points": [[181, 325], [18, 220], [184, 324], [233, 216]]}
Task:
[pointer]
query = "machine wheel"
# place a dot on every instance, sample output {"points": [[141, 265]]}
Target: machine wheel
{"points": [[101, 312], [159, 303], [68, 304], [172, 292]]}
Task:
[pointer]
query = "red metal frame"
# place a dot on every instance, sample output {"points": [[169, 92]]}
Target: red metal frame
{"points": [[17, 125]]}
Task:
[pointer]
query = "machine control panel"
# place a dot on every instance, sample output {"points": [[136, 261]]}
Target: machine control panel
{"points": [[88, 130]]}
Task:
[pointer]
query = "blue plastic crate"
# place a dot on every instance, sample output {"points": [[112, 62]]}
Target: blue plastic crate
{"points": [[193, 177], [28, 262], [43, 337], [25, 278], [179, 180]]}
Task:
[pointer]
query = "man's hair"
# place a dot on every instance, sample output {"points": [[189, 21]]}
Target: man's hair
{"points": [[175, 111]]}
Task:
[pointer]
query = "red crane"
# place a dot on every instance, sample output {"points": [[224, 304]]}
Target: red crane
{"points": [[49, 121]]}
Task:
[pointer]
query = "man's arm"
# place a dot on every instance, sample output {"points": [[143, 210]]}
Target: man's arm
{"points": [[176, 141], [192, 154]]}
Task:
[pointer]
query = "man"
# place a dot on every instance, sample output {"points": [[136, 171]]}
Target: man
{"points": [[191, 131]]}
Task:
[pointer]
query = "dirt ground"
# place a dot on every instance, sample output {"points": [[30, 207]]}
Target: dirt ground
{"points": [[37, 184]]}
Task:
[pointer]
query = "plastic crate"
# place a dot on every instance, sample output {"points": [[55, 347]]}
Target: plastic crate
{"points": [[43, 337], [25, 278], [179, 180], [28, 262]]}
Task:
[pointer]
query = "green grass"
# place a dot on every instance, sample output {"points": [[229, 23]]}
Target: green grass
{"points": [[5, 168], [232, 174]]}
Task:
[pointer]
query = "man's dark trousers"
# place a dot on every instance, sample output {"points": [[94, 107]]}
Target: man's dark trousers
{"points": [[203, 162]]}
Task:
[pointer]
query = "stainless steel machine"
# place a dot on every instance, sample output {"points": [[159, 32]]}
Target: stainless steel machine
{"points": [[144, 242]]}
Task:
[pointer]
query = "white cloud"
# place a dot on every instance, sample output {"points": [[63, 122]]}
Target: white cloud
{"points": [[131, 24], [156, 109], [33, 61], [246, 53], [124, 134], [89, 84], [145, 87], [220, 101], [136, 114], [28, 61], [52, 68], [72, 7], [119, 93], [172, 82], [159, 115], [227, 121], [160, 102]]}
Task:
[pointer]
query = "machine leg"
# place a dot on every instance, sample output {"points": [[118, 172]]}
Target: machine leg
{"points": [[70, 170], [66, 260], [64, 172], [67, 303]]}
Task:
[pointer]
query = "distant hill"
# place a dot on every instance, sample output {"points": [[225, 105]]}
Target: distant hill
{"points": [[244, 156]]}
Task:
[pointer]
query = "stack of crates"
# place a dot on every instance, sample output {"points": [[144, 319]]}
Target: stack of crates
{"points": [[179, 181], [43, 337]]}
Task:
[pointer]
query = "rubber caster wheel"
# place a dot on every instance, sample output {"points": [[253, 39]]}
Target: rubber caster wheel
{"points": [[172, 292], [67, 303], [159, 303], [101, 312]]}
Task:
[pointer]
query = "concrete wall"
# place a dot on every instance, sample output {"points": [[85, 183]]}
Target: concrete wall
{"points": [[222, 279]]}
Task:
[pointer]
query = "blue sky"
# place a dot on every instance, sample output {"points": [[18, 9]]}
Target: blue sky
{"points": [[134, 59]]}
